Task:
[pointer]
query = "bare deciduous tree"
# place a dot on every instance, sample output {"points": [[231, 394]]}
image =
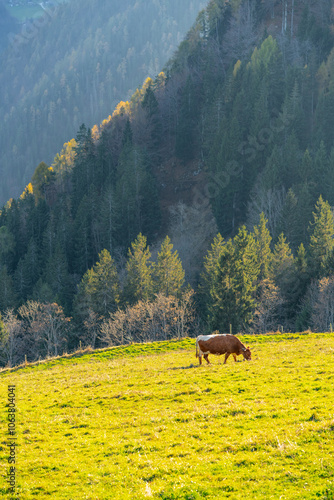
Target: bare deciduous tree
{"points": [[321, 299], [268, 201], [10, 343], [163, 319], [46, 326], [91, 329], [269, 301]]}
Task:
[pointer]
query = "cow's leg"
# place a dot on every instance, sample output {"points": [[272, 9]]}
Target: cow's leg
{"points": [[200, 359], [235, 357], [226, 356], [206, 357]]}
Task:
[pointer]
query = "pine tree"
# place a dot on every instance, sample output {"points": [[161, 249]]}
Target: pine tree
{"points": [[305, 167], [185, 144], [300, 280], [233, 289], [288, 223], [7, 247], [8, 297], [283, 273], [222, 304], [262, 242], [328, 187], [208, 276], [282, 262], [139, 284], [56, 275], [106, 283], [99, 289], [321, 240], [150, 104], [41, 178], [83, 176], [168, 273], [320, 171], [247, 272], [303, 214]]}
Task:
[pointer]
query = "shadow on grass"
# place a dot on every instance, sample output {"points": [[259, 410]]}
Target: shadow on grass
{"points": [[184, 367]]}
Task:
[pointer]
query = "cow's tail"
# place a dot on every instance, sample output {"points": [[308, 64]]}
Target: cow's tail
{"points": [[197, 349]]}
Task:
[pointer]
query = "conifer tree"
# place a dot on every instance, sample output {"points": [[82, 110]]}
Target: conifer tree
{"points": [[185, 144], [320, 172], [139, 283], [56, 275], [7, 246], [208, 276], [288, 223], [262, 244], [305, 204], [222, 304], [247, 271], [300, 280], [282, 260], [8, 297], [321, 240], [99, 289], [42, 176], [306, 167], [106, 285], [233, 290], [168, 273], [150, 104], [283, 273]]}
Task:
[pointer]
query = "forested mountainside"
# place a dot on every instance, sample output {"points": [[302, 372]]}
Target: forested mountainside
{"points": [[229, 152], [72, 66], [8, 26]]}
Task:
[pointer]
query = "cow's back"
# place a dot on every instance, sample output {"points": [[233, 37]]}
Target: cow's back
{"points": [[219, 344]]}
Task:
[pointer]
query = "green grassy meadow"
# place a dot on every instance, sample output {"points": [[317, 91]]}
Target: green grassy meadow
{"points": [[142, 422]]}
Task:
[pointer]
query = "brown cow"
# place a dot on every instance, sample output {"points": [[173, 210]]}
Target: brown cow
{"points": [[220, 344]]}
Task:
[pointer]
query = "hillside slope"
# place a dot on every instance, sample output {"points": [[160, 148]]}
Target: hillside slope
{"points": [[72, 66], [159, 426]]}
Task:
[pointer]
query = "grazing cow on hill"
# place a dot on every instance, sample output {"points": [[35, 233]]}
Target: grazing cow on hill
{"points": [[220, 344]]}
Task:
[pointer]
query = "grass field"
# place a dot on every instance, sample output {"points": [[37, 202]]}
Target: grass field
{"points": [[147, 422]]}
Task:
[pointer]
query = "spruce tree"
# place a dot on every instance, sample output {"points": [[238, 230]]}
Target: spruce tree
{"points": [[168, 273], [283, 273], [282, 262], [99, 289], [208, 276], [222, 305], [139, 283], [321, 240], [288, 224], [262, 244], [106, 296], [8, 297], [234, 286]]}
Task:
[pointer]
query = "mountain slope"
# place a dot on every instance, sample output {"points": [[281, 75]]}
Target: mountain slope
{"points": [[73, 66]]}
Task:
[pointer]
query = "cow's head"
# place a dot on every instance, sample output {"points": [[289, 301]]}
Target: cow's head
{"points": [[247, 353]]}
